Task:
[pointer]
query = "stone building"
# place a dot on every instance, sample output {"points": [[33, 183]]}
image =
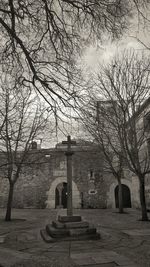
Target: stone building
{"points": [[43, 180], [141, 118]]}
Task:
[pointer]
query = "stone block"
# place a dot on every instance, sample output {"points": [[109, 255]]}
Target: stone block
{"points": [[46, 237], [83, 231], [70, 225], [58, 225], [86, 237], [65, 219], [49, 239], [58, 233]]}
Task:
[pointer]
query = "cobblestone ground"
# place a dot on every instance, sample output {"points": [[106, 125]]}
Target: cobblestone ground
{"points": [[125, 240]]}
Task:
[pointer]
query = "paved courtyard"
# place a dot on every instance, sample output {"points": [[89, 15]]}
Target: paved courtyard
{"points": [[125, 240]]}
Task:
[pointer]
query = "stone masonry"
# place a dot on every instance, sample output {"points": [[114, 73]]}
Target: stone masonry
{"points": [[43, 180]]}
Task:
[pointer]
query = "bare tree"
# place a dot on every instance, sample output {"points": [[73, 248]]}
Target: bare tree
{"points": [[126, 81], [99, 120], [44, 39], [24, 119]]}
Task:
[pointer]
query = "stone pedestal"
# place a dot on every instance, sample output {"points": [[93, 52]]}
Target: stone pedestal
{"points": [[68, 228]]}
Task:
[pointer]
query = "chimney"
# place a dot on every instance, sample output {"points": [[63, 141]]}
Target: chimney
{"points": [[34, 145]]}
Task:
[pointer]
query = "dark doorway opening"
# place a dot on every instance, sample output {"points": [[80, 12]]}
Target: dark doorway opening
{"points": [[64, 195], [125, 194], [56, 198], [61, 196]]}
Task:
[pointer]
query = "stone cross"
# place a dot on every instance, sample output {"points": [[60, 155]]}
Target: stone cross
{"points": [[69, 154]]}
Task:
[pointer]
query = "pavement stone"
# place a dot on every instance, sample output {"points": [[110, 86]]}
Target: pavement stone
{"points": [[102, 257], [10, 257], [124, 239], [137, 232], [111, 264], [84, 261], [13, 258]]}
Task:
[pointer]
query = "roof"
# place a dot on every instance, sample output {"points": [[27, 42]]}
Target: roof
{"points": [[145, 104]]}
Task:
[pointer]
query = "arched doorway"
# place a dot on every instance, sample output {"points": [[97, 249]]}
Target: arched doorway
{"points": [[51, 194], [61, 196], [125, 194]]}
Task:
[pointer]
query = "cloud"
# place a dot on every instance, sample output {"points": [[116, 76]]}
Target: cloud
{"points": [[103, 53]]}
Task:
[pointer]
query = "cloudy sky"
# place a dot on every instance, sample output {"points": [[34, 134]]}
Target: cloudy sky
{"points": [[103, 52], [99, 53]]}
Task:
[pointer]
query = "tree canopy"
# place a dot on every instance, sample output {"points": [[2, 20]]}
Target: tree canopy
{"points": [[41, 39]]}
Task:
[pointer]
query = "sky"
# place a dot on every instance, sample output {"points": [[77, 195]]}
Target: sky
{"points": [[103, 52], [97, 54]]}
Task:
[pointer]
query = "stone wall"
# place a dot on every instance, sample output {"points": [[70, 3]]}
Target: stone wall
{"points": [[88, 174], [45, 169], [87, 188]]}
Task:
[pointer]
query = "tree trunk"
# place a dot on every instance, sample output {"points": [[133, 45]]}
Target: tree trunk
{"points": [[120, 196], [9, 202], [142, 199]]}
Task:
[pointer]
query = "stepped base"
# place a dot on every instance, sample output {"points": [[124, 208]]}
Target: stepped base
{"points": [[66, 218], [70, 225], [48, 239], [69, 228]]}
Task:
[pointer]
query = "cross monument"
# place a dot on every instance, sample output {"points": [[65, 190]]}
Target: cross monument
{"points": [[69, 154], [70, 227]]}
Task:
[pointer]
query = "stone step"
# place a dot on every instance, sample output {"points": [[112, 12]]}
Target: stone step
{"points": [[46, 237], [65, 219], [71, 225], [82, 231], [58, 224], [82, 237], [87, 237], [58, 233], [49, 239]]}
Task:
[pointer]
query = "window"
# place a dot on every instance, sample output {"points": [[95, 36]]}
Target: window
{"points": [[92, 192], [91, 175]]}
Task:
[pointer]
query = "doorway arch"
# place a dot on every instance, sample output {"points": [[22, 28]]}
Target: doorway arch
{"points": [[61, 196], [126, 196], [51, 194], [111, 192]]}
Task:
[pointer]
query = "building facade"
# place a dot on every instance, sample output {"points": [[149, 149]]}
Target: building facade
{"points": [[43, 178], [43, 181]]}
